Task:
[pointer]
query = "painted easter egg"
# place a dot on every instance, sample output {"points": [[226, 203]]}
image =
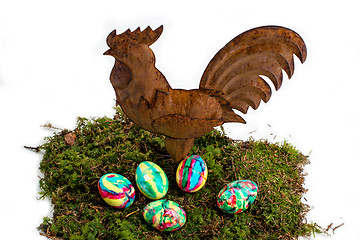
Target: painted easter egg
{"points": [[191, 174], [164, 215], [151, 180], [116, 190], [237, 196]]}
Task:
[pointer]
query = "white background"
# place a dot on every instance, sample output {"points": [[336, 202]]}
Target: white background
{"points": [[52, 70]]}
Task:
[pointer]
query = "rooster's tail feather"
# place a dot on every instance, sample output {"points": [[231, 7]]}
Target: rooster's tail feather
{"points": [[234, 71]]}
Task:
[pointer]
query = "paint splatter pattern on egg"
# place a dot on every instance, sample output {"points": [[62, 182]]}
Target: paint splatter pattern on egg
{"points": [[191, 173], [116, 190], [151, 180], [164, 215], [237, 196]]}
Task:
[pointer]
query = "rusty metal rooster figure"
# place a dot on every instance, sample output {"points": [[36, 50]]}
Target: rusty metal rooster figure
{"points": [[230, 81]]}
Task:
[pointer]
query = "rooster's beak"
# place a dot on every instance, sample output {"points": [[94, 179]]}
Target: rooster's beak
{"points": [[108, 52]]}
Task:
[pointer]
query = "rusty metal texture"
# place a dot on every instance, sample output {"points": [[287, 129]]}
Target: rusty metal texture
{"points": [[231, 81]]}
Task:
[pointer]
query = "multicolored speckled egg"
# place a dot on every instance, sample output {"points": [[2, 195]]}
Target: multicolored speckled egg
{"points": [[191, 174], [116, 190], [151, 180], [164, 215], [237, 196]]}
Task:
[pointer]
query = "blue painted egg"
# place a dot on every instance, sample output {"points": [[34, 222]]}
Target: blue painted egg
{"points": [[237, 196], [116, 190], [191, 174], [151, 180]]}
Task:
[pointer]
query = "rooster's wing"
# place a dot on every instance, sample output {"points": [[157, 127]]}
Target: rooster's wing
{"points": [[234, 71]]}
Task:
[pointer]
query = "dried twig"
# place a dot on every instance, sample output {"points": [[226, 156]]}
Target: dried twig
{"points": [[50, 237], [35, 149], [132, 213], [337, 227]]}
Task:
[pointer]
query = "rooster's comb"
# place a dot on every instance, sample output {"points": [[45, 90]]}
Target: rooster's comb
{"points": [[147, 36]]}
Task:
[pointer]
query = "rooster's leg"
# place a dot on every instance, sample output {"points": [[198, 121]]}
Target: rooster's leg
{"points": [[178, 148]]}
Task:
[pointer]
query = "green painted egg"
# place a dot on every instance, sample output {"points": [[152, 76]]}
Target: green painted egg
{"points": [[237, 196], [164, 215], [151, 180]]}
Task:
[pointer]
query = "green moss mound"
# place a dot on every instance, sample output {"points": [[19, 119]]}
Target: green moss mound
{"points": [[71, 171]]}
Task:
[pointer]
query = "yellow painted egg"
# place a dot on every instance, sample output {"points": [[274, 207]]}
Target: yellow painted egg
{"points": [[151, 180], [116, 190]]}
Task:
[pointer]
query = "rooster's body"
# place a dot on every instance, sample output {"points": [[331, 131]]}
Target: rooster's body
{"points": [[230, 81]]}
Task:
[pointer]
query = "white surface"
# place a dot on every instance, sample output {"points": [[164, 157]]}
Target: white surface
{"points": [[52, 70]]}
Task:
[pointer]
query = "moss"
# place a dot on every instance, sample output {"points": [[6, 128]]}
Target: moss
{"points": [[103, 145]]}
